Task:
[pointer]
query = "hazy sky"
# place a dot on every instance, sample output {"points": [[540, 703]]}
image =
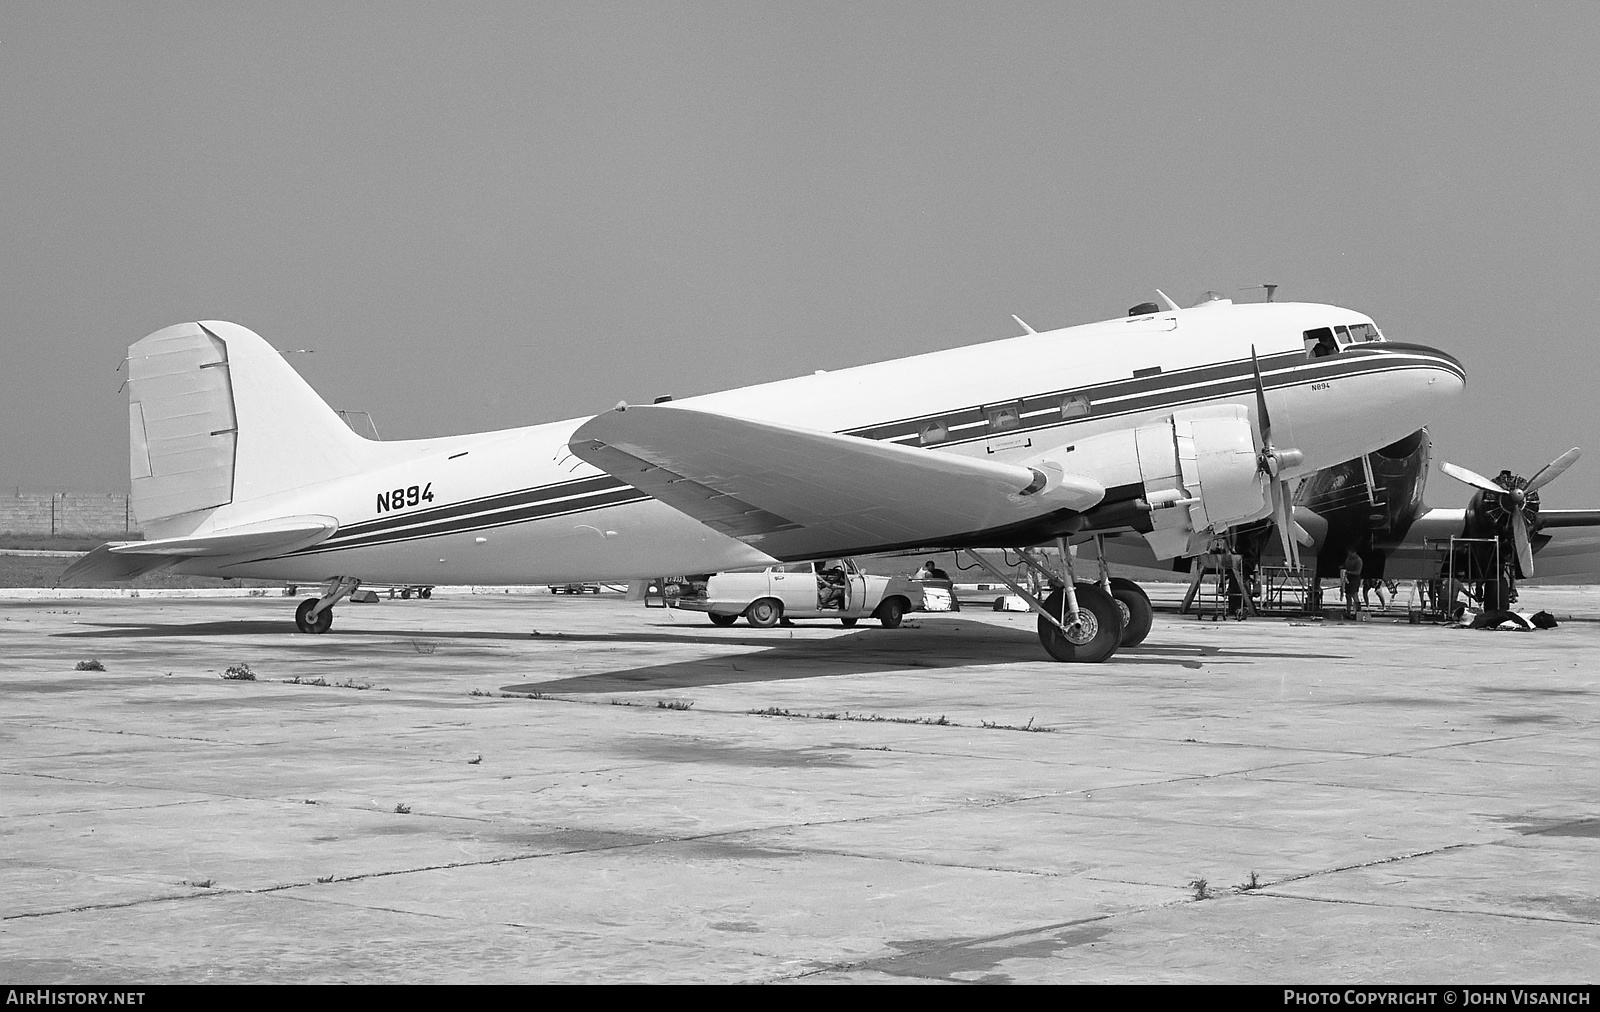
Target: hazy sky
{"points": [[484, 215]]}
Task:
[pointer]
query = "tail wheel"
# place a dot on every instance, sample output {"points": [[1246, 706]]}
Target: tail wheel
{"points": [[1097, 634], [764, 614], [722, 620], [891, 612], [1136, 610], [304, 621]]}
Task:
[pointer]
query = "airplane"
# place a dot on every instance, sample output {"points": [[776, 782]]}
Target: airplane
{"points": [[1173, 423], [1374, 504]]}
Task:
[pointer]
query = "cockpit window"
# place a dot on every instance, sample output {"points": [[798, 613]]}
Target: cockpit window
{"points": [[1363, 332], [1342, 335], [1320, 342]]}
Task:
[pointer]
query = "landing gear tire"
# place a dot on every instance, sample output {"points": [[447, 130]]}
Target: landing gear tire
{"points": [[1136, 611], [306, 624], [1098, 634], [722, 620], [764, 614], [848, 623], [891, 612]]}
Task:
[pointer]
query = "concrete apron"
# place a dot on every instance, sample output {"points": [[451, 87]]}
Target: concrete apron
{"points": [[545, 789]]}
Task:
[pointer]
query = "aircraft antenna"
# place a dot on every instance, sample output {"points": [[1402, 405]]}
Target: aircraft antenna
{"points": [[1271, 289], [1024, 323], [1165, 300]]}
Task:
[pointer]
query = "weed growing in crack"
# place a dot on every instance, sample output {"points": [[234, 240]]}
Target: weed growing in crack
{"points": [[239, 673], [995, 726], [90, 665], [674, 704], [1202, 889], [402, 809], [1253, 884]]}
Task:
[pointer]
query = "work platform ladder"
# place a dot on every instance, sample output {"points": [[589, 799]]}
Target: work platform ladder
{"points": [[1217, 588]]}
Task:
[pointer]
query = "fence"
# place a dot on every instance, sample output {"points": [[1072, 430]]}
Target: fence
{"points": [[57, 513]]}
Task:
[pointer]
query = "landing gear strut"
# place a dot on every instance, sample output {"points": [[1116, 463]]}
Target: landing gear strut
{"points": [[1077, 621], [315, 614]]}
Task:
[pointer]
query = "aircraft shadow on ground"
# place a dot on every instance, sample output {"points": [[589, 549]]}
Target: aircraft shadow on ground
{"points": [[774, 655], [947, 644]]}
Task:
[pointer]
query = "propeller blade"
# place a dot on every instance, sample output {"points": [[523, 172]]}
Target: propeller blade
{"points": [[1519, 534], [1551, 471], [1472, 478], [1301, 534], [1285, 524], [1261, 403]]}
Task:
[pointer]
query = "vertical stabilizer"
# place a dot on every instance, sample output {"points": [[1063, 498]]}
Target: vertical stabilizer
{"points": [[217, 417]]}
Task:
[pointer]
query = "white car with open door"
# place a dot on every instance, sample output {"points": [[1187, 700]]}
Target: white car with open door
{"points": [[833, 589]]}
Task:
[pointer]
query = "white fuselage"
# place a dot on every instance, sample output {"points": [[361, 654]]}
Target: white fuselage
{"points": [[515, 506]]}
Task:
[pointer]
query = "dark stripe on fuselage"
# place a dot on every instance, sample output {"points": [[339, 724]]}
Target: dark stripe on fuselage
{"points": [[619, 495], [498, 501], [1167, 391]]}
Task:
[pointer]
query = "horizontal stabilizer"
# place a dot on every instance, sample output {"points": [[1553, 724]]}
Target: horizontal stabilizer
{"points": [[104, 564], [124, 560], [803, 493]]}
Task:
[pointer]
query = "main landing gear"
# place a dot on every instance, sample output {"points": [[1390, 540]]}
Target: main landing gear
{"points": [[315, 614], [1078, 621]]}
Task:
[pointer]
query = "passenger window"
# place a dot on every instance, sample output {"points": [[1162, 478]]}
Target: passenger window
{"points": [[1004, 417], [933, 432], [1320, 342], [1076, 406]]}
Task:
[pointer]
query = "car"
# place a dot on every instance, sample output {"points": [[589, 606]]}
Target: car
{"points": [[574, 588], [832, 589]]}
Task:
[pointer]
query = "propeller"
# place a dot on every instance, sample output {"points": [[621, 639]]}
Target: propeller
{"points": [[1271, 462], [1511, 496]]}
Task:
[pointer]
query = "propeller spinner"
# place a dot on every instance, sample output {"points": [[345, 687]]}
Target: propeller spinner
{"points": [[1271, 462], [1510, 502]]}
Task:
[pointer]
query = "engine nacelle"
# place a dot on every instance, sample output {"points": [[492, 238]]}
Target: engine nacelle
{"points": [[1196, 468]]}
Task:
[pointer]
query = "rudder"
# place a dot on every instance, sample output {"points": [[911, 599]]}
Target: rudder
{"points": [[217, 417]]}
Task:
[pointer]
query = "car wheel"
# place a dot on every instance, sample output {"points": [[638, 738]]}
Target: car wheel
{"points": [[891, 612], [764, 614], [848, 623], [722, 620]]}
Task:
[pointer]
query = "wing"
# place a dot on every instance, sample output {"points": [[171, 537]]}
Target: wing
{"points": [[124, 560], [801, 493], [1568, 518]]}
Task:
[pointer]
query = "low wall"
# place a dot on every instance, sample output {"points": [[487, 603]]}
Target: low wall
{"points": [[57, 513]]}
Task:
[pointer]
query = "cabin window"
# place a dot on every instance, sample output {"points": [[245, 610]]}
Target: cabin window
{"points": [[1076, 406], [1320, 342], [932, 432], [1004, 417]]}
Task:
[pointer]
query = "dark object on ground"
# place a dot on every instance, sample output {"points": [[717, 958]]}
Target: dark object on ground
{"points": [[1544, 620], [90, 666], [1493, 619]]}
